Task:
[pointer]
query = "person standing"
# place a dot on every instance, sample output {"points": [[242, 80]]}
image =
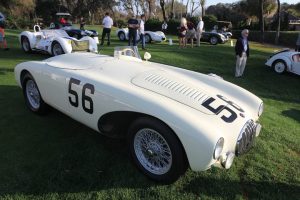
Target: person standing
{"points": [[2, 37], [82, 23], [242, 53], [182, 32], [191, 33], [200, 27], [142, 31], [107, 24], [298, 43], [133, 25], [164, 27]]}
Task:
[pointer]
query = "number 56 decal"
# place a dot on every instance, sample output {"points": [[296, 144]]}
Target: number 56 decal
{"points": [[84, 98]]}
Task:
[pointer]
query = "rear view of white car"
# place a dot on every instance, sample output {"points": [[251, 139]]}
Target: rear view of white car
{"points": [[55, 42], [156, 36], [285, 61]]}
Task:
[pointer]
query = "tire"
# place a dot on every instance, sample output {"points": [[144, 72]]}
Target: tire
{"points": [[32, 95], [148, 138], [56, 49], [25, 44], [148, 38], [122, 36], [279, 66], [213, 40]]}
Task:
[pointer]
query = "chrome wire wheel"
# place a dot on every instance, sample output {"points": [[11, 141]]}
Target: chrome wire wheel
{"points": [[152, 151], [213, 40], [147, 38], [279, 67], [33, 94], [57, 49], [25, 45], [122, 36]]}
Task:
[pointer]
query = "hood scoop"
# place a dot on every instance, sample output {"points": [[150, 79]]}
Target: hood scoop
{"points": [[174, 88]]}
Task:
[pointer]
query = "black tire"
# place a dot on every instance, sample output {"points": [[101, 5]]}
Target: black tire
{"points": [[279, 66], [122, 36], [148, 38], [213, 40], [171, 144], [55, 49], [25, 44], [40, 107]]}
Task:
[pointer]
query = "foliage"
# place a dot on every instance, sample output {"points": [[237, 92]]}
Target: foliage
{"points": [[209, 22]]}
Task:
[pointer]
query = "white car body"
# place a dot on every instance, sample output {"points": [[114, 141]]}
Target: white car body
{"points": [[157, 36], [285, 61], [43, 40], [200, 109]]}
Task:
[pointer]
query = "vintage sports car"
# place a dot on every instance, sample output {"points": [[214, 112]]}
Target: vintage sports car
{"points": [[55, 42], [285, 61], [213, 38], [150, 36], [72, 30], [172, 118]]}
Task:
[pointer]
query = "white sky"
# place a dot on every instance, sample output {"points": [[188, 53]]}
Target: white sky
{"points": [[213, 2]]}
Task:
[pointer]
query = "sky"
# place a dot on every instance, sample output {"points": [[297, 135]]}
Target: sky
{"points": [[213, 2]]}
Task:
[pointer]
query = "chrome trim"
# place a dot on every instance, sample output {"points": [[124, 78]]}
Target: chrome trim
{"points": [[246, 138]]}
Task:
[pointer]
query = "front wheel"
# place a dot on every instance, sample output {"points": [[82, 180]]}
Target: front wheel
{"points": [[25, 44], [122, 36], [213, 40], [156, 151], [279, 66], [148, 38], [57, 49], [32, 95]]}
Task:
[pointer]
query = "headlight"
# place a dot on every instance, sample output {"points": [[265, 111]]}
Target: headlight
{"points": [[218, 148], [261, 109]]}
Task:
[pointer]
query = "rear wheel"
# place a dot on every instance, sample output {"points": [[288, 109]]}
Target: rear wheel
{"points": [[122, 36], [155, 150], [57, 49], [32, 95], [25, 44], [148, 38], [213, 40], [279, 66]]}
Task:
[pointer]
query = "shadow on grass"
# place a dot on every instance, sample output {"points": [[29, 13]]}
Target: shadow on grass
{"points": [[292, 113]]}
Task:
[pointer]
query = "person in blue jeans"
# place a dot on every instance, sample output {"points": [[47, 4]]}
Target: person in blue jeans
{"points": [[142, 31], [133, 25]]}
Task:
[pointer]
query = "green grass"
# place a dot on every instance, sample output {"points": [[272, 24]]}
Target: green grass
{"points": [[55, 157]]}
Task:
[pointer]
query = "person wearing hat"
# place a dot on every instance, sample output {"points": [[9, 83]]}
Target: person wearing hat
{"points": [[133, 26]]}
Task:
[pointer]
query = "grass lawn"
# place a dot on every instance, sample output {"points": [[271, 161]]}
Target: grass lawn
{"points": [[55, 157]]}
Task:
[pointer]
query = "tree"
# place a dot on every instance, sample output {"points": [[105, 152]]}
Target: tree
{"points": [[172, 10], [278, 23], [162, 5], [261, 20], [202, 3]]}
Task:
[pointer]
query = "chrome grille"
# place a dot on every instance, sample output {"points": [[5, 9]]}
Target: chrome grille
{"points": [[246, 138]]}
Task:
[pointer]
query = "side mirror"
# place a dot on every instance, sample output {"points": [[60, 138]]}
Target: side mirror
{"points": [[147, 56]]}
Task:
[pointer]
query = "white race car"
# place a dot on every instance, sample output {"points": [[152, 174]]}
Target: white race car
{"points": [[55, 42], [285, 60], [156, 36], [173, 118]]}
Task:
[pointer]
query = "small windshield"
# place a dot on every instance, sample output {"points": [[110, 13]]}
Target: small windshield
{"points": [[130, 51]]}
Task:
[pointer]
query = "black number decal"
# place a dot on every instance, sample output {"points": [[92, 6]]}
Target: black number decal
{"points": [[219, 109], [87, 98], [75, 82]]}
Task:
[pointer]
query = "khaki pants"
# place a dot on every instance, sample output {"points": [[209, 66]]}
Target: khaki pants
{"points": [[198, 35], [240, 64]]}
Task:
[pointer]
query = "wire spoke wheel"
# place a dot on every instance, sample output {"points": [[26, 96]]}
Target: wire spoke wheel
{"points": [[57, 49], [279, 67], [152, 151], [33, 94]]}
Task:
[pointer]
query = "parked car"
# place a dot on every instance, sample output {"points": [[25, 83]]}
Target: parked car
{"points": [[54, 42], [285, 61], [72, 30], [157, 36], [2, 18], [213, 38], [172, 118]]}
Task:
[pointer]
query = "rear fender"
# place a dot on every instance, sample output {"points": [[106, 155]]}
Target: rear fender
{"points": [[64, 43], [31, 37]]}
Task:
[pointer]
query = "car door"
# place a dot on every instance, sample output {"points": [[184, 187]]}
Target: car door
{"points": [[295, 68]]}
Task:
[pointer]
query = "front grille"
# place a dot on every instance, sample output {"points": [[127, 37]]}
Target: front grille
{"points": [[246, 138]]}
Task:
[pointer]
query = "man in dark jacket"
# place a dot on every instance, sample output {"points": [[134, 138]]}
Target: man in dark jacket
{"points": [[133, 26], [242, 53]]}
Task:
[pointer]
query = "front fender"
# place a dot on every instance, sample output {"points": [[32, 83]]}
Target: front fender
{"points": [[31, 37], [64, 43]]}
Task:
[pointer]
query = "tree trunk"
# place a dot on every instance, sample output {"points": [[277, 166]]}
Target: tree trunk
{"points": [[172, 10], [261, 21], [278, 23], [162, 5], [186, 7]]}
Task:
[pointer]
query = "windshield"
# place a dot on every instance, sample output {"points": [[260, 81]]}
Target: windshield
{"points": [[130, 51]]}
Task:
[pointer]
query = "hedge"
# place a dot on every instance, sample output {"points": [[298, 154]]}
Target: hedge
{"points": [[286, 38]]}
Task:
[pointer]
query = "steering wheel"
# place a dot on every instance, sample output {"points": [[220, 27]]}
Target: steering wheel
{"points": [[37, 28]]}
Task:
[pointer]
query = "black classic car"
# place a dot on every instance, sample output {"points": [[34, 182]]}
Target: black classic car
{"points": [[213, 38]]}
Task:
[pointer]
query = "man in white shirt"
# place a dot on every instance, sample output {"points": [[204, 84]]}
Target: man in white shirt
{"points": [[142, 31], [200, 27], [107, 24]]}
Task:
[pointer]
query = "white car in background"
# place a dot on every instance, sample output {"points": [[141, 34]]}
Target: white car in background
{"points": [[55, 42], [157, 36], [285, 61], [172, 118], [2, 18]]}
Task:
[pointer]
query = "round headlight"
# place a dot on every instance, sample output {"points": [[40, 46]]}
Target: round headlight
{"points": [[219, 148], [261, 109]]}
